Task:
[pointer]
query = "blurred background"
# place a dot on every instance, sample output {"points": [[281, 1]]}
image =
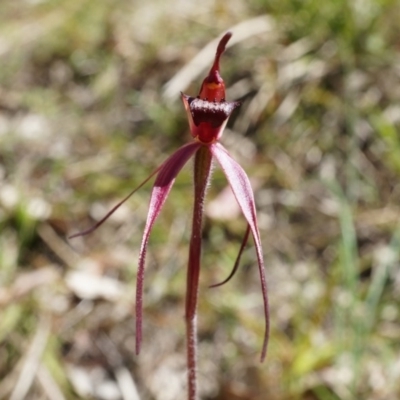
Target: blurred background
{"points": [[89, 106]]}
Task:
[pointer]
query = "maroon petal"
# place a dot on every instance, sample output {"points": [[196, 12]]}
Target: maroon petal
{"points": [[115, 208], [162, 186], [243, 192], [237, 262]]}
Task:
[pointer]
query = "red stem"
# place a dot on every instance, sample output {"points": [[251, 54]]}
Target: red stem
{"points": [[202, 172]]}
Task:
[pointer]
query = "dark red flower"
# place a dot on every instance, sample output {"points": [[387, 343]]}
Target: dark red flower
{"points": [[208, 114]]}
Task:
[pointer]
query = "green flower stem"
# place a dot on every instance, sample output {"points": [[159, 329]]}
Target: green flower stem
{"points": [[202, 173]]}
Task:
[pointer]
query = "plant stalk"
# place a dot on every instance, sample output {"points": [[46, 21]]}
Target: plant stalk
{"points": [[202, 173]]}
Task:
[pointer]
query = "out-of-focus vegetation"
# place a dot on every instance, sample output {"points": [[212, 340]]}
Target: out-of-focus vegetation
{"points": [[89, 107]]}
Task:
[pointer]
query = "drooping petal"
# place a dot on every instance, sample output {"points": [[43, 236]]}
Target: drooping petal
{"points": [[243, 192], [115, 208], [236, 265], [162, 186]]}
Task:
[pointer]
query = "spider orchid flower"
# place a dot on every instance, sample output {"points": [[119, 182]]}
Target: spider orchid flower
{"points": [[208, 114]]}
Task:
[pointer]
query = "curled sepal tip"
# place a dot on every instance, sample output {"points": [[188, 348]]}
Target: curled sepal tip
{"points": [[213, 87], [237, 262], [220, 49]]}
